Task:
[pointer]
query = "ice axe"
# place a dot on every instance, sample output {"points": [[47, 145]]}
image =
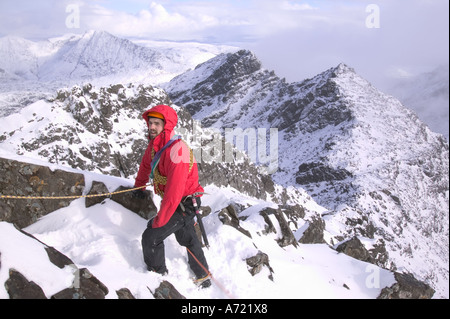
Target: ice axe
{"points": [[200, 222]]}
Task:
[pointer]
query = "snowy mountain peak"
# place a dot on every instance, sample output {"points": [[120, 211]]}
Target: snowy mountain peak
{"points": [[97, 57], [357, 151], [343, 68], [374, 170]]}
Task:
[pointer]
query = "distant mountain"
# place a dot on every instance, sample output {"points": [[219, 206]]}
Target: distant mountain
{"points": [[94, 55], [97, 57], [379, 169]]}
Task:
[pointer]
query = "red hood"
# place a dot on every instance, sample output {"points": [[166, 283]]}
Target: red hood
{"points": [[171, 120]]}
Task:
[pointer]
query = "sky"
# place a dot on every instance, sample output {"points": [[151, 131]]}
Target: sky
{"points": [[380, 39]]}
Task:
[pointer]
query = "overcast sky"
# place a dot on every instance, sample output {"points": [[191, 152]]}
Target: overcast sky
{"points": [[296, 39]]}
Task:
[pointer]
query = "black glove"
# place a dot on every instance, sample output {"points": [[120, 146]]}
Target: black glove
{"points": [[138, 193]]}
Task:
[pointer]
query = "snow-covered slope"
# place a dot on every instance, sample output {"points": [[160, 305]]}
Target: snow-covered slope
{"points": [[97, 54], [375, 170], [101, 130], [379, 170], [37, 69], [105, 238]]}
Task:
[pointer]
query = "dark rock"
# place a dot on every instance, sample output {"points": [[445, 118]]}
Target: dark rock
{"points": [[293, 213], [318, 172], [18, 287], [97, 188], [124, 293], [167, 291], [87, 286], [376, 255], [314, 233], [257, 262], [24, 179], [269, 227], [354, 248], [229, 216], [143, 207], [407, 287], [287, 237], [57, 258]]}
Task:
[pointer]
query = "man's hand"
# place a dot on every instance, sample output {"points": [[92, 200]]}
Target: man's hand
{"points": [[139, 193]]}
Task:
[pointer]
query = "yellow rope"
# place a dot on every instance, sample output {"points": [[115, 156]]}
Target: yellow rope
{"points": [[71, 197]]}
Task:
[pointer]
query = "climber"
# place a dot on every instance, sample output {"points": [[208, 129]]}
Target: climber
{"points": [[175, 179]]}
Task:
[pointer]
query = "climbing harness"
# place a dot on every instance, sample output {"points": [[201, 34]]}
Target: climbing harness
{"points": [[155, 175], [156, 157]]}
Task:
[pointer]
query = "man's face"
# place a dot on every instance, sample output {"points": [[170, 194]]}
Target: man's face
{"points": [[155, 126]]}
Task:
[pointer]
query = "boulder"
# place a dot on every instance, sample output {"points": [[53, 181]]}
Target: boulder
{"points": [[407, 287], [229, 216], [86, 286], [166, 291], [19, 287], [144, 207], [377, 255], [354, 248], [24, 179], [257, 262], [314, 233], [287, 237], [124, 293]]}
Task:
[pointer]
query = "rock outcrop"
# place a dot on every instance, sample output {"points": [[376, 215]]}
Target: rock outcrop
{"points": [[18, 176], [24, 179]]}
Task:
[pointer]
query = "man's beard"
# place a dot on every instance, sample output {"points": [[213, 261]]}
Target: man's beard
{"points": [[152, 134]]}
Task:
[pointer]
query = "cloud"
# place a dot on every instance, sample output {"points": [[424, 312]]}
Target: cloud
{"points": [[158, 22], [32, 19], [297, 39], [154, 22], [291, 6], [412, 37]]}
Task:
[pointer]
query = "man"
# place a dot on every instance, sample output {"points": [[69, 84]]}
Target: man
{"points": [[175, 179]]}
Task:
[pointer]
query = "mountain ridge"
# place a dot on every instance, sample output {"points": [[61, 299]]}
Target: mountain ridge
{"points": [[353, 145], [379, 171], [38, 69]]}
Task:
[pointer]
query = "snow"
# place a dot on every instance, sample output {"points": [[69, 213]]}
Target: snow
{"points": [[383, 146], [30, 71], [27, 256], [106, 239]]}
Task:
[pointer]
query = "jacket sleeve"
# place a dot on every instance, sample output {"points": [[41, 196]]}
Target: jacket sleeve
{"points": [[177, 174], [144, 169]]}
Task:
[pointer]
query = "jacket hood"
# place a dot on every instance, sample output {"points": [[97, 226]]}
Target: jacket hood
{"points": [[170, 119], [170, 116]]}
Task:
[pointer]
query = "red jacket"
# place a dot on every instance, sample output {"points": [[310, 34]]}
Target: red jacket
{"points": [[176, 164]]}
